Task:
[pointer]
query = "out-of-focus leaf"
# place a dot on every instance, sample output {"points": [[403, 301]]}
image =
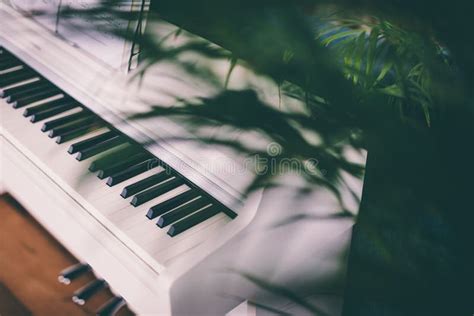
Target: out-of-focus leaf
{"points": [[339, 35], [393, 90]]}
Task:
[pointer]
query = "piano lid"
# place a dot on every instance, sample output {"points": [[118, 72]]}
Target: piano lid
{"points": [[64, 18], [49, 9]]}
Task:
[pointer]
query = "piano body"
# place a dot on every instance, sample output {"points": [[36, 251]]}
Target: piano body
{"points": [[212, 244]]}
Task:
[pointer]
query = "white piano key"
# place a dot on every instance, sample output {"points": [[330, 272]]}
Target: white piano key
{"points": [[4, 72]]}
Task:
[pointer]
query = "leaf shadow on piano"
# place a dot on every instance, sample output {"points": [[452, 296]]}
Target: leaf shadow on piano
{"points": [[359, 80]]}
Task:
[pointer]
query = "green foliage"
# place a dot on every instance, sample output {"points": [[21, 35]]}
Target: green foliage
{"points": [[382, 57]]}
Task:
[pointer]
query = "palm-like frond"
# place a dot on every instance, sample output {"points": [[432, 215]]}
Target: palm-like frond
{"points": [[382, 57]]}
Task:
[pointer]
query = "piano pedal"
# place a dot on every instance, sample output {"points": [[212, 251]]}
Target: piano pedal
{"points": [[73, 272], [111, 307], [81, 295]]}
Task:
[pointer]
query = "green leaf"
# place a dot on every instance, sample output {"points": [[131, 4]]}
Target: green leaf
{"points": [[426, 111], [371, 51], [327, 30], [178, 33], [288, 55], [233, 63], [358, 54], [328, 40], [393, 90], [385, 69]]}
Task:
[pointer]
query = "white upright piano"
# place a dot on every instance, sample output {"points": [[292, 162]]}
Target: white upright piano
{"points": [[165, 224]]}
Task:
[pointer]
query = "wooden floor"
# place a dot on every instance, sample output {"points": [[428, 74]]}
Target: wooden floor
{"points": [[30, 260]]}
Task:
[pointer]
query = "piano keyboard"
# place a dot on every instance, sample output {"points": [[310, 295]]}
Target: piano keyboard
{"points": [[172, 201]]}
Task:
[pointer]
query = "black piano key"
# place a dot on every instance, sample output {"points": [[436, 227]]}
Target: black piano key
{"points": [[54, 111], [63, 129], [81, 295], [35, 97], [181, 212], [64, 120], [5, 58], [172, 203], [103, 162], [5, 55], [45, 106], [121, 165], [101, 147], [111, 307], [132, 172], [74, 148], [4, 52], [15, 77], [8, 65], [8, 58], [73, 272], [156, 191], [83, 130], [144, 184], [193, 220], [19, 91], [8, 92]]}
